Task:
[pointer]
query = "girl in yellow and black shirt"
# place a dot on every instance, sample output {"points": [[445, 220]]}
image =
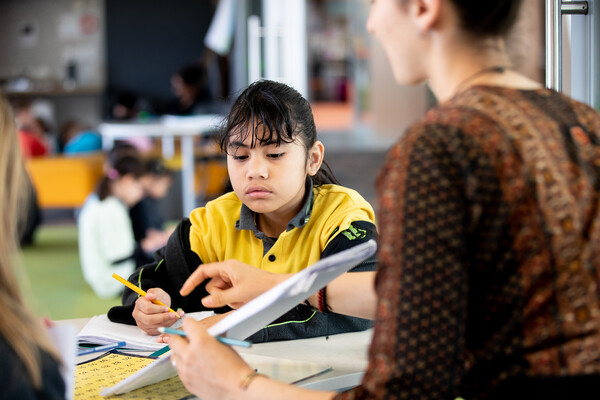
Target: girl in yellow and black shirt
{"points": [[286, 212]]}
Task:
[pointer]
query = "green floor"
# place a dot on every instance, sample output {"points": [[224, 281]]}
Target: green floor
{"points": [[56, 285]]}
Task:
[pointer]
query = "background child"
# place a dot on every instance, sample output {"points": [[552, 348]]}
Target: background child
{"points": [[106, 241], [146, 218], [76, 138], [284, 214], [190, 86]]}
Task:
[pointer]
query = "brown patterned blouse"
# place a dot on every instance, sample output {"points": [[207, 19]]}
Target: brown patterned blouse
{"points": [[489, 247]]}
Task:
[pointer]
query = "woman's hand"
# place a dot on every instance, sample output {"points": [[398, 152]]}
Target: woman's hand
{"points": [[207, 368], [149, 316], [232, 283], [212, 370]]}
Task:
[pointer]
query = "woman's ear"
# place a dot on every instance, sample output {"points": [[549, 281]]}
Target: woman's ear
{"points": [[426, 13], [315, 158]]}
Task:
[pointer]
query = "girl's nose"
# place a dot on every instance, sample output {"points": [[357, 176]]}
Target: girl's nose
{"points": [[257, 168]]}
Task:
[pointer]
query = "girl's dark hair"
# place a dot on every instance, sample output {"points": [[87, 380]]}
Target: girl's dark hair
{"points": [[281, 112], [487, 18], [156, 166], [126, 165], [120, 150]]}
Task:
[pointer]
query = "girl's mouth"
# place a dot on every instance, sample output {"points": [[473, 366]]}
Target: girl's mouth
{"points": [[257, 193]]}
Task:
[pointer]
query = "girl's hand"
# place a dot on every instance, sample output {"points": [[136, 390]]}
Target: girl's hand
{"points": [[231, 283], [149, 316], [207, 368]]}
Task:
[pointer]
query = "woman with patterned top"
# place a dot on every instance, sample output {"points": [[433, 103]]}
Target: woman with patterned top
{"points": [[489, 264]]}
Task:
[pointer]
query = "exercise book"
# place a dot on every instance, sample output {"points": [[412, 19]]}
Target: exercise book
{"points": [[100, 330], [112, 367]]}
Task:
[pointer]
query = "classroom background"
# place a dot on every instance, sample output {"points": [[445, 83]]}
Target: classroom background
{"points": [[77, 65]]}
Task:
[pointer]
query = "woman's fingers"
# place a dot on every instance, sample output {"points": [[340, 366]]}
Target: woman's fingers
{"points": [[220, 298], [202, 273]]}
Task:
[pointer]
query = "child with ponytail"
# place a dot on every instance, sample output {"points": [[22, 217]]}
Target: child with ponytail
{"points": [[106, 241]]}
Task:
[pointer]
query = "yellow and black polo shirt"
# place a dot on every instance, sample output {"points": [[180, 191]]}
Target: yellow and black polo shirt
{"points": [[225, 229]]}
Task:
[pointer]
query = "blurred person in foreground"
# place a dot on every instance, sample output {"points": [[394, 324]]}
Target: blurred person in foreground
{"points": [[489, 266], [29, 365]]}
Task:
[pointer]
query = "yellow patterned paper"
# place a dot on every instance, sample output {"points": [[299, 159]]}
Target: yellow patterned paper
{"points": [[108, 370]]}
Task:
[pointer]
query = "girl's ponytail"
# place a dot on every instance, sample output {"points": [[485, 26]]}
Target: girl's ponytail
{"points": [[126, 165]]}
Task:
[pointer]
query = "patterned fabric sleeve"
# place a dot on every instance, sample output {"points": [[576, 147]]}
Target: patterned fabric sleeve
{"points": [[489, 229], [417, 344]]}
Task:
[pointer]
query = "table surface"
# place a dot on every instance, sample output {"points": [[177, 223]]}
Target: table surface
{"points": [[165, 126], [346, 353]]}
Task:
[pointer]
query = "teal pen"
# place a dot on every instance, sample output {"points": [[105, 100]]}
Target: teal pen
{"points": [[224, 340], [97, 349]]}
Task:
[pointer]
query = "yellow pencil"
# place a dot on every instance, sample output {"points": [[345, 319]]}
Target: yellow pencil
{"points": [[140, 291]]}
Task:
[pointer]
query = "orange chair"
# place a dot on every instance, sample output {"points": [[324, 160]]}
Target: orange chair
{"points": [[65, 182]]}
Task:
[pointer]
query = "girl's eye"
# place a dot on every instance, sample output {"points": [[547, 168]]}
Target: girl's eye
{"points": [[275, 155], [239, 158]]}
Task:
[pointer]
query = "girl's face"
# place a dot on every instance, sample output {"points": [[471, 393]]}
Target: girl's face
{"points": [[129, 190], [156, 187], [270, 179], [391, 24]]}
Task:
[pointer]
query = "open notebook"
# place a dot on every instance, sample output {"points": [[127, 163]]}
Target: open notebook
{"points": [[100, 330], [261, 311]]}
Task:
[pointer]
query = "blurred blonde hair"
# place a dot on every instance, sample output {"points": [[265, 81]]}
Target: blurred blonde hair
{"points": [[21, 330]]}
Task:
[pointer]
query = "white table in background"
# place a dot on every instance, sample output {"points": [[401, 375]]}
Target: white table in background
{"points": [[167, 128], [346, 353]]}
